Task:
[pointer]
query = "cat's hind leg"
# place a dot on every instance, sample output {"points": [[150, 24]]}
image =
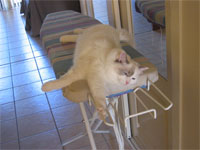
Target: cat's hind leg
{"points": [[100, 105], [98, 95], [78, 30], [68, 38], [71, 76]]}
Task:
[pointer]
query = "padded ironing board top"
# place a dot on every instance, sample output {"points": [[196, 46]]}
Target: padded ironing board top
{"points": [[54, 26], [61, 23]]}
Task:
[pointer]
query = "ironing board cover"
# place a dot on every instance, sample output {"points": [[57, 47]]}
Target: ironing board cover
{"points": [[61, 23]]}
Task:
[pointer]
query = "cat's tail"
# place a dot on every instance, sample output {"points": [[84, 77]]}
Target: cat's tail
{"points": [[53, 85], [124, 36]]}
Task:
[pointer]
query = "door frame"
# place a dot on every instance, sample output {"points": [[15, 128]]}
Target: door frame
{"points": [[183, 68], [87, 7]]}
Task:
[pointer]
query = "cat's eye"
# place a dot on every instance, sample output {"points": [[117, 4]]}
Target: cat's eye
{"points": [[125, 73], [133, 78]]}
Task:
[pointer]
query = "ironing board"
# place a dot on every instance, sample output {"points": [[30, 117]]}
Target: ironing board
{"points": [[61, 23]]}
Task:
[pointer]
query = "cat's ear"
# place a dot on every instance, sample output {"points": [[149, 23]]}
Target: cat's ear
{"points": [[121, 57], [142, 69]]}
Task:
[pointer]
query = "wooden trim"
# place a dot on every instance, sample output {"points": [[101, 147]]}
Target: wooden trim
{"points": [[110, 13], [182, 50], [83, 5], [117, 17], [129, 16], [87, 7], [90, 8], [126, 17]]}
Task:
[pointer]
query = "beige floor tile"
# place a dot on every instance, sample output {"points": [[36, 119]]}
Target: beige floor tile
{"points": [[8, 131], [46, 140], [100, 146], [68, 115], [10, 145], [36, 47], [40, 53], [5, 83], [3, 40], [27, 91], [23, 66], [21, 57], [21, 50], [112, 141], [34, 124], [6, 96], [18, 44], [70, 131], [47, 73], [7, 111], [3, 54], [56, 99], [15, 38], [43, 62], [26, 78], [5, 71], [4, 61], [114, 145], [31, 105]]}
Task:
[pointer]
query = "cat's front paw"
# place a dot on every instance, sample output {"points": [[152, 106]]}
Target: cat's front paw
{"points": [[46, 87], [102, 113]]}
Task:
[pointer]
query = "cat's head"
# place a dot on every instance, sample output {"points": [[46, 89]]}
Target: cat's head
{"points": [[124, 69]]}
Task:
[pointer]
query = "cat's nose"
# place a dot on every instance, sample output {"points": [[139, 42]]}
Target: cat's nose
{"points": [[128, 81]]}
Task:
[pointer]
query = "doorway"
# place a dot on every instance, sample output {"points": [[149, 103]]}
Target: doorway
{"points": [[101, 11]]}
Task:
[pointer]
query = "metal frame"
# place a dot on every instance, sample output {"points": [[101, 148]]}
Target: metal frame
{"points": [[114, 117]]}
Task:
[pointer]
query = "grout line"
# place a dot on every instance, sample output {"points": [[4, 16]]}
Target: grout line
{"points": [[48, 100], [18, 85], [25, 72], [45, 110], [29, 136], [70, 125], [106, 141], [30, 96], [18, 138]]}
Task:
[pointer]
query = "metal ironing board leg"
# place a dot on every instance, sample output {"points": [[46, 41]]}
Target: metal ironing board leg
{"points": [[116, 127], [89, 128], [87, 125]]}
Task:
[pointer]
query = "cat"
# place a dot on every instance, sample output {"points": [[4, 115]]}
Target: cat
{"points": [[100, 60]]}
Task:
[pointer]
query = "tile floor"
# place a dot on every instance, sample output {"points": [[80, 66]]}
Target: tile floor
{"points": [[30, 118]]}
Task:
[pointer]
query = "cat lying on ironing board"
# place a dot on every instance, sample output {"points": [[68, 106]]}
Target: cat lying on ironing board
{"points": [[100, 65]]}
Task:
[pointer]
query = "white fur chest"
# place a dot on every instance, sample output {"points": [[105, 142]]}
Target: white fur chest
{"points": [[112, 85]]}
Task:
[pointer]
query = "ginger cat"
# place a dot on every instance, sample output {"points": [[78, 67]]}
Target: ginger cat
{"points": [[100, 60]]}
